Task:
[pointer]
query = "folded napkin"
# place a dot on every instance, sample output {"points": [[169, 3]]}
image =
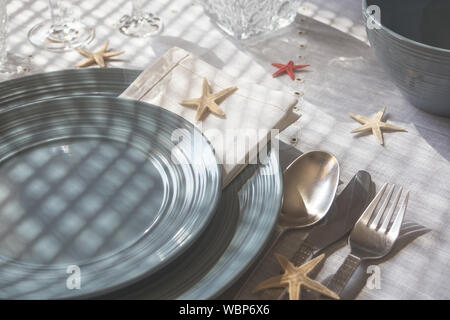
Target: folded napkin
{"points": [[252, 110]]}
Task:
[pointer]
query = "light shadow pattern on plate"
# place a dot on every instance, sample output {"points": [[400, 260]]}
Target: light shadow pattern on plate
{"points": [[107, 190]]}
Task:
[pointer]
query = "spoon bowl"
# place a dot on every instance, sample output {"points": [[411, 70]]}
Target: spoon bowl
{"points": [[310, 184]]}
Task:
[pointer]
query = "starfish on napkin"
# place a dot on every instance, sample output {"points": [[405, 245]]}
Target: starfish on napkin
{"points": [[208, 101], [98, 57], [289, 68], [376, 125], [296, 277]]}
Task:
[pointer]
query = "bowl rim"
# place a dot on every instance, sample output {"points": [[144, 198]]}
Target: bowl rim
{"points": [[399, 36]]}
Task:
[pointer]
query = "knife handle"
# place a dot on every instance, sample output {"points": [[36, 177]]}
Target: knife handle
{"points": [[344, 273], [303, 254]]}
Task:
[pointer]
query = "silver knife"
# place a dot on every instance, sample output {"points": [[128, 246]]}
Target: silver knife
{"points": [[346, 210]]}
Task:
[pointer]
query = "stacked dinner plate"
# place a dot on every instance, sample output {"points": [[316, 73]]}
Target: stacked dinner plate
{"points": [[97, 200]]}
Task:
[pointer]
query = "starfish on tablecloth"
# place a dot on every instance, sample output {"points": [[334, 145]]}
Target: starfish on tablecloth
{"points": [[208, 100], [296, 277], [376, 125], [98, 57], [289, 68]]}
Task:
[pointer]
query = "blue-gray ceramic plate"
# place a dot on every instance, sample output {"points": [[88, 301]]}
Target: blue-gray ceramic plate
{"points": [[95, 194], [238, 231]]}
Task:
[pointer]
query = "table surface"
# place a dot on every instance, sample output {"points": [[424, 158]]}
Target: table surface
{"points": [[344, 77]]}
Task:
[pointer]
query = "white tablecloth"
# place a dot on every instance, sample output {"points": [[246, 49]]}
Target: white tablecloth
{"points": [[344, 77]]}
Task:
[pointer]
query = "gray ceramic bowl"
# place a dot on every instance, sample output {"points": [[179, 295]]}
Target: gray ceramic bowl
{"points": [[412, 41]]}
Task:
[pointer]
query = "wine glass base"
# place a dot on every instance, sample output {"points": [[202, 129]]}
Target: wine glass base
{"points": [[14, 66], [67, 37], [140, 27]]}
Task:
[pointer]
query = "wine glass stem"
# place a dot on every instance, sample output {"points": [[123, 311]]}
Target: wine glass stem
{"points": [[3, 31], [137, 10], [57, 14]]}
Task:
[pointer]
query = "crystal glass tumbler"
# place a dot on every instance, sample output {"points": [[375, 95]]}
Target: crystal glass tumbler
{"points": [[243, 19]]}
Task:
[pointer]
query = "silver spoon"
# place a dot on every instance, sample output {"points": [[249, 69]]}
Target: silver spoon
{"points": [[309, 188]]}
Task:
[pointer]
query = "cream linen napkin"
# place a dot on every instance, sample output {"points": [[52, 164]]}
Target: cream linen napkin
{"points": [[252, 110]]}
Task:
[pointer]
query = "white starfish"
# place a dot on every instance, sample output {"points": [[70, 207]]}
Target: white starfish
{"points": [[97, 57], [376, 125], [295, 277], [208, 101]]}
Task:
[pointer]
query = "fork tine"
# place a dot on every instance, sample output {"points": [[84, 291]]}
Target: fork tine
{"points": [[380, 213], [388, 217], [397, 224], [371, 208]]}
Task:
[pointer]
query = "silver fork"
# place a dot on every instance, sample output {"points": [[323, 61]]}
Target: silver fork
{"points": [[370, 240]]}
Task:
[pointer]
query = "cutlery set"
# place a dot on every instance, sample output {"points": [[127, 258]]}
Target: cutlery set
{"points": [[373, 228]]}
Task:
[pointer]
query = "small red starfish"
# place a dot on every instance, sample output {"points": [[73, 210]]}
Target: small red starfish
{"points": [[289, 68]]}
